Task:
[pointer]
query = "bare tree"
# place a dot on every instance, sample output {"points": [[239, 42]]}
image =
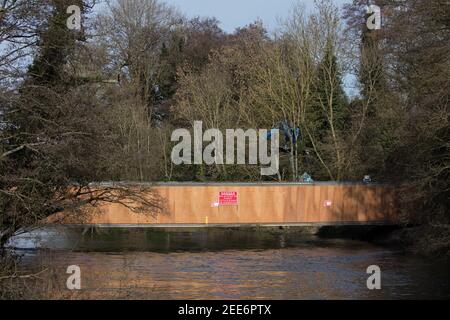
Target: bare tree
{"points": [[286, 81], [20, 21], [133, 32]]}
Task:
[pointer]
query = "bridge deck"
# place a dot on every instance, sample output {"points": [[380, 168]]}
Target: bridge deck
{"points": [[230, 204], [235, 225]]}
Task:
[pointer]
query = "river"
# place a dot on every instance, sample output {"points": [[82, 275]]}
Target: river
{"points": [[232, 264]]}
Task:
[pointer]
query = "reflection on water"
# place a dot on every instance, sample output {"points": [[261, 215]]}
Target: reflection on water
{"points": [[233, 265]]}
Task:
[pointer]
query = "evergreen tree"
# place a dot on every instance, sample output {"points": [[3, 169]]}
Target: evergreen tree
{"points": [[371, 72], [170, 59], [329, 90], [56, 43]]}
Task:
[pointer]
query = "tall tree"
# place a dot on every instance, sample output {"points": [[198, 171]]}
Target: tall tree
{"points": [[371, 72], [329, 87], [330, 116], [52, 138]]}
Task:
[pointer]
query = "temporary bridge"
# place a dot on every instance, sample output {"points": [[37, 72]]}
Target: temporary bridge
{"points": [[274, 204]]}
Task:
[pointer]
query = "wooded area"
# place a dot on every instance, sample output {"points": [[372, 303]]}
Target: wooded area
{"points": [[100, 103]]}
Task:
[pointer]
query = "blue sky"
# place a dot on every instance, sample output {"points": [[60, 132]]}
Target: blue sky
{"points": [[238, 13]]}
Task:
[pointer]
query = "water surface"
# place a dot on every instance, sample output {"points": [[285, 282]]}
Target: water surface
{"points": [[231, 265]]}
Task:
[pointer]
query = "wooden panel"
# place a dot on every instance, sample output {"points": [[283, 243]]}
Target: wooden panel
{"points": [[312, 203], [338, 203], [290, 205], [245, 215], [388, 198], [361, 196], [380, 212], [350, 208], [327, 204], [261, 204], [301, 201], [168, 212]]}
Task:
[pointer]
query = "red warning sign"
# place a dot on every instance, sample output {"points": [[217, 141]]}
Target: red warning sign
{"points": [[228, 198]]}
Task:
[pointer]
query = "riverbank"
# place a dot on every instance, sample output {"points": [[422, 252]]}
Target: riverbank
{"points": [[428, 241], [432, 242]]}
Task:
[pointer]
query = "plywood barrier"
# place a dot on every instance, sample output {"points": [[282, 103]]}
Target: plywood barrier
{"points": [[260, 204]]}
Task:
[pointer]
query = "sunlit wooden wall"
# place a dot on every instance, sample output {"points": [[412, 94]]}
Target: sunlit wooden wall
{"points": [[261, 204]]}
